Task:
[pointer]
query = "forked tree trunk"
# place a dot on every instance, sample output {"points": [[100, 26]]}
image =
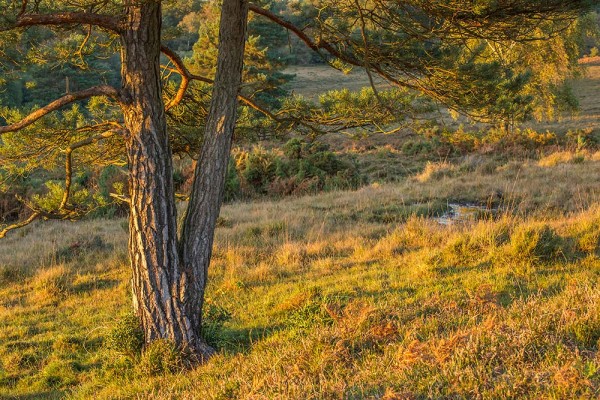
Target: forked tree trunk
{"points": [[169, 277], [209, 177]]}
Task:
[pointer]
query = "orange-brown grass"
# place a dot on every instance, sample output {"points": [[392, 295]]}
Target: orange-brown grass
{"points": [[337, 295]]}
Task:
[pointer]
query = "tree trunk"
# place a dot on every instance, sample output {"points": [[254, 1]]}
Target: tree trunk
{"points": [[159, 285], [207, 190], [169, 277]]}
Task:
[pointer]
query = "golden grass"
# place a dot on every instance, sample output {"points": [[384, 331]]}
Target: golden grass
{"points": [[328, 301], [342, 294]]}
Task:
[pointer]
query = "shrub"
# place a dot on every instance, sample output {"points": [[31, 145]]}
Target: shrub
{"points": [[412, 148], [256, 168], [535, 243], [232, 183], [302, 168], [126, 336], [581, 139], [293, 149], [159, 357]]}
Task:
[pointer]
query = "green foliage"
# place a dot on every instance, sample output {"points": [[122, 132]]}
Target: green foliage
{"points": [[535, 244], [412, 148], [303, 168], [126, 336], [263, 79], [493, 71], [232, 182], [48, 63], [213, 320], [111, 180], [160, 357], [462, 141]]}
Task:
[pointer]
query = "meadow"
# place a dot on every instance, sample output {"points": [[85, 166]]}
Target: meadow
{"points": [[345, 294]]}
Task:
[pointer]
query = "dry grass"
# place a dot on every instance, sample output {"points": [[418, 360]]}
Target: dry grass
{"points": [[341, 294], [338, 295]]}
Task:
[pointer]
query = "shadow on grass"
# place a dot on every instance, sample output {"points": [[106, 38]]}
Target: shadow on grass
{"points": [[48, 395], [234, 341], [95, 285]]}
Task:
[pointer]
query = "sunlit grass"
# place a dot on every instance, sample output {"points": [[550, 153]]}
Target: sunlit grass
{"points": [[338, 295]]}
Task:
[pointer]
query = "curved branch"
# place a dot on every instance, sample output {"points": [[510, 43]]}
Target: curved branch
{"points": [[187, 76], [69, 162], [182, 70], [102, 90], [21, 224], [185, 73], [322, 45], [108, 22]]}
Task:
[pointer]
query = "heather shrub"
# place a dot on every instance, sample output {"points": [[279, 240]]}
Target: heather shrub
{"points": [[300, 168]]}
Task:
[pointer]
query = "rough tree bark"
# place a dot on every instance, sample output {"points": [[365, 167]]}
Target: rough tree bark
{"points": [[152, 220], [207, 190], [169, 278]]}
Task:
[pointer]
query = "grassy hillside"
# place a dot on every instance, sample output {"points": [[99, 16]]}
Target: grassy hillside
{"points": [[339, 295], [352, 294]]}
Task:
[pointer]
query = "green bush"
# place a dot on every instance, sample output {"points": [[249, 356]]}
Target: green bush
{"points": [[159, 357], [126, 336], [232, 183], [535, 243], [412, 148], [301, 168], [111, 179]]}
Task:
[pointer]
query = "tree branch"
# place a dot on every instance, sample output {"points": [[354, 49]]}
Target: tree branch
{"points": [[363, 31], [322, 45], [187, 76], [18, 225], [63, 211], [108, 22], [102, 90], [69, 162]]}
